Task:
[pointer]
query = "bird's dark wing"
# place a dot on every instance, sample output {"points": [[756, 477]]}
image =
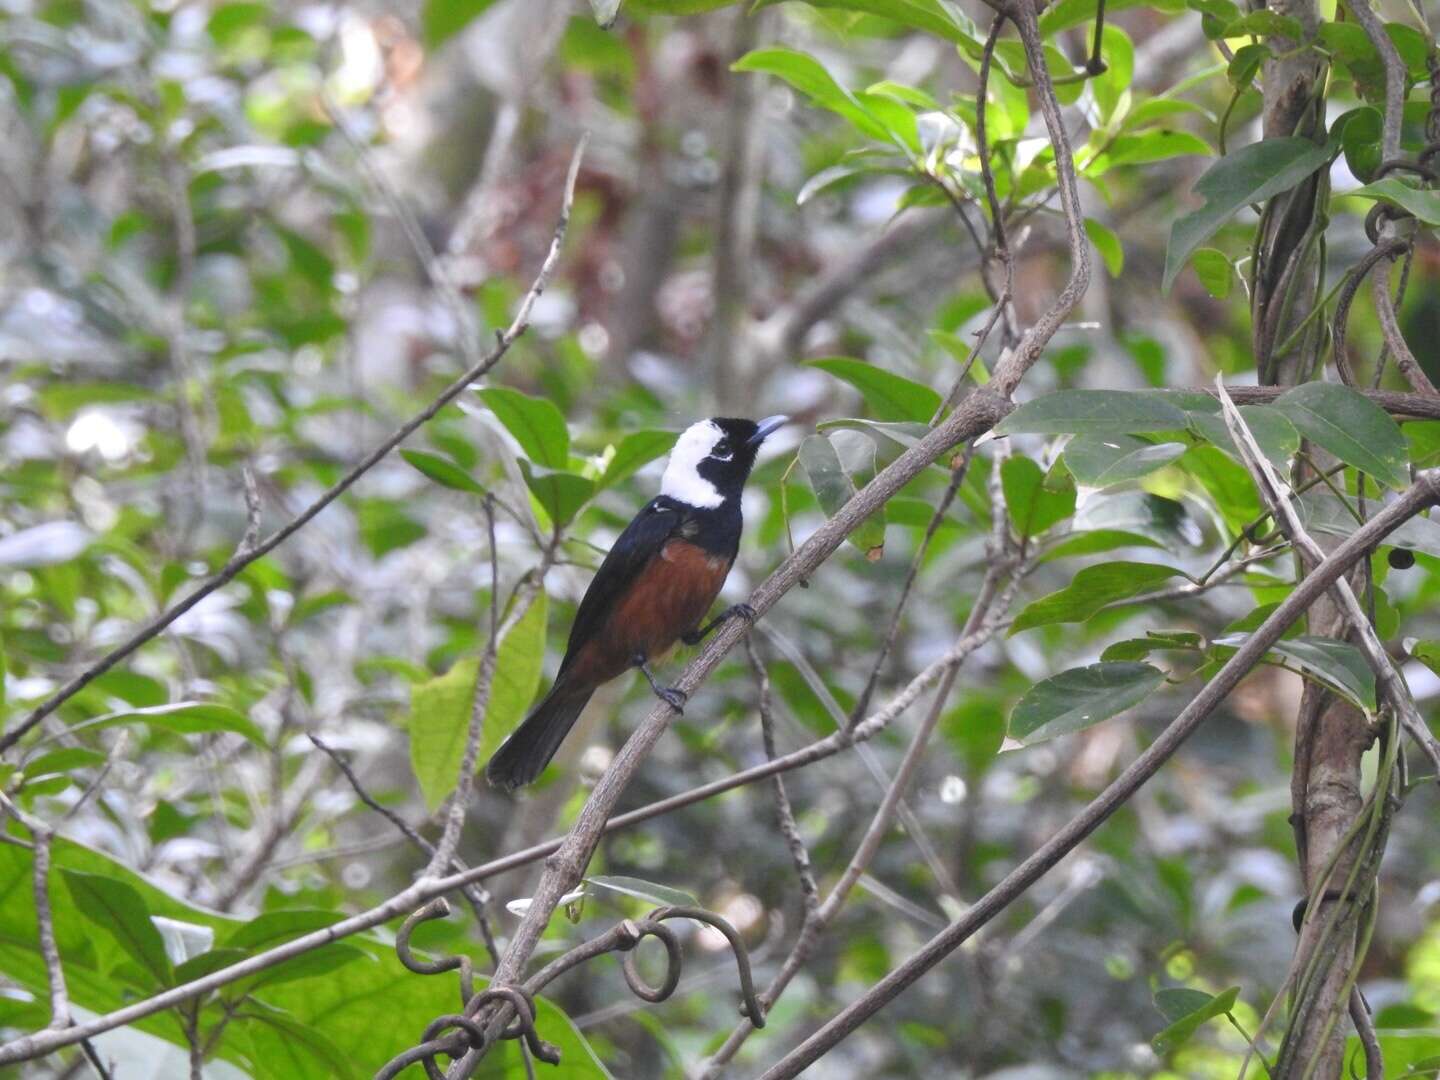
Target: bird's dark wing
{"points": [[633, 549]]}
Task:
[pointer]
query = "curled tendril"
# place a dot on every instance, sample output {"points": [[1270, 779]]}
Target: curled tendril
{"points": [[1380, 213], [673, 960], [524, 1022], [751, 1007], [455, 1034], [1420, 168], [438, 908]]}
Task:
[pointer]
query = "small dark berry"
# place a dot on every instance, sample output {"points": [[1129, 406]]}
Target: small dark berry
{"points": [[1401, 559]]}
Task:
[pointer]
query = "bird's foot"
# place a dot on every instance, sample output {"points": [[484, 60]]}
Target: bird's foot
{"points": [[734, 611], [676, 699], [670, 695]]}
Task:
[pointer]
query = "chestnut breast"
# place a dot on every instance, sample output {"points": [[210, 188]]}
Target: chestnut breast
{"points": [[668, 598]]}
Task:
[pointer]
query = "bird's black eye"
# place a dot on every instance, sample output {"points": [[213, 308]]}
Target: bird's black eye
{"points": [[722, 451]]}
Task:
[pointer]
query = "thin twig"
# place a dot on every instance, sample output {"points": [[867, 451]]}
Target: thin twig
{"points": [[784, 814], [475, 895], [1390, 682], [480, 699], [1394, 337], [44, 914], [1014, 364], [241, 560]]}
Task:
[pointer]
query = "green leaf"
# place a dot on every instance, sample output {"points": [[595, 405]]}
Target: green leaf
{"points": [[1215, 272], [1162, 520], [183, 718], [276, 927], [645, 890], [1080, 697], [1428, 653], [1153, 641], [1035, 502], [561, 494], [1266, 23], [62, 761], [1226, 481], [439, 719], [834, 487], [1099, 461], [1163, 108], [904, 435], [1092, 589], [385, 527], [890, 396], [1107, 244], [443, 19], [1188, 1010], [443, 472], [1425, 205], [636, 450], [440, 709], [1350, 426], [120, 911], [1111, 89], [929, 15], [1248, 175], [680, 7], [289, 1047], [1096, 542], [1274, 434], [307, 965], [809, 76], [1146, 148], [1068, 13], [207, 963], [1337, 664], [537, 424], [519, 664], [1245, 65], [1100, 412], [1359, 132]]}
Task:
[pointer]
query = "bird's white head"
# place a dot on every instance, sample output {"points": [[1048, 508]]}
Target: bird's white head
{"points": [[712, 459], [682, 480]]}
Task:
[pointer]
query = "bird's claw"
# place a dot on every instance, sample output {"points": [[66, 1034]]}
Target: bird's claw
{"points": [[676, 699], [745, 611]]}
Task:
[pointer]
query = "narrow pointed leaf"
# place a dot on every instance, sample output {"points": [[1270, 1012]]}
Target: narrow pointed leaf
{"points": [[1080, 697]]}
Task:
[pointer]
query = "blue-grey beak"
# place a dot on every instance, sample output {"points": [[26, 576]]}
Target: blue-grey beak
{"points": [[765, 427]]}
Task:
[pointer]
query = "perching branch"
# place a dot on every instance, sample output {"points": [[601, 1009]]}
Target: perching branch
{"points": [[1424, 493], [241, 559]]}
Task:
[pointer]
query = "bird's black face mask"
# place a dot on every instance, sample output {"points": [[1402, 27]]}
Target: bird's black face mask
{"points": [[728, 463]]}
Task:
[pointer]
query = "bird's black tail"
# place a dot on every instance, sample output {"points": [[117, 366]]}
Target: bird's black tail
{"points": [[530, 747]]}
